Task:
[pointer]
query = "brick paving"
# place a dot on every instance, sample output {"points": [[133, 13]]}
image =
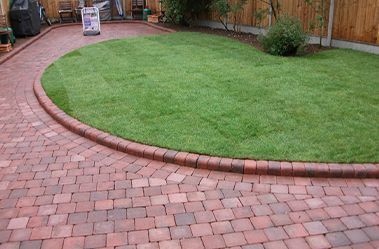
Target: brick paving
{"points": [[60, 190]]}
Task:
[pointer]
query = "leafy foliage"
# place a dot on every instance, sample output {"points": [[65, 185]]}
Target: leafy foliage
{"points": [[185, 11], [226, 9], [259, 15], [320, 19], [274, 8], [285, 37]]}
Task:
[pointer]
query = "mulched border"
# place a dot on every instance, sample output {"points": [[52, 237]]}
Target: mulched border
{"points": [[247, 38], [261, 167]]}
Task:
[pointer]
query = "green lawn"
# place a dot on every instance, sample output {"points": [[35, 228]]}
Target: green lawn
{"points": [[212, 95]]}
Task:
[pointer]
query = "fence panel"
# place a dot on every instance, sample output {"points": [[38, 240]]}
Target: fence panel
{"points": [[52, 6], [354, 20]]}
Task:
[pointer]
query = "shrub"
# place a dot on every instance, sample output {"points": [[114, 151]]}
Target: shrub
{"points": [[185, 11], [285, 37]]}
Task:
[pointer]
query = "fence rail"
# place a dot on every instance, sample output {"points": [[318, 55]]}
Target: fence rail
{"points": [[354, 20]]}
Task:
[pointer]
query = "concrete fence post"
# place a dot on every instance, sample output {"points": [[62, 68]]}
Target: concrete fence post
{"points": [[330, 24], [270, 14]]}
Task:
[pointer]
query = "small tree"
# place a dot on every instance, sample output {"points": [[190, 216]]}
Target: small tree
{"points": [[222, 9], [225, 10], [320, 17], [259, 15], [273, 8], [236, 9]]}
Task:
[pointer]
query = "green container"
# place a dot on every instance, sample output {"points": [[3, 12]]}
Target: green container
{"points": [[3, 39], [146, 13]]}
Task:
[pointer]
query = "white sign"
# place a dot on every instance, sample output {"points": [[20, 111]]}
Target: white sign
{"points": [[91, 21]]}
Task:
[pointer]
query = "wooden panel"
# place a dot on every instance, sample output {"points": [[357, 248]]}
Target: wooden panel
{"points": [[4, 6], [153, 5], [307, 14], [297, 8], [4, 9], [356, 20], [52, 6]]}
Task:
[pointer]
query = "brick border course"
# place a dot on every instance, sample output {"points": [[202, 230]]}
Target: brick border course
{"points": [[246, 166]]}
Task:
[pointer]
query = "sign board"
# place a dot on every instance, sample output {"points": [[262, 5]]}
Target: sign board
{"points": [[91, 21]]}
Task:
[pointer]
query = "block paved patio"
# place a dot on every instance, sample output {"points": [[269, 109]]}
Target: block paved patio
{"points": [[60, 190]]}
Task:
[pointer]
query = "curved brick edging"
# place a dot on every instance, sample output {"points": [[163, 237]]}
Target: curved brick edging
{"points": [[260, 167]]}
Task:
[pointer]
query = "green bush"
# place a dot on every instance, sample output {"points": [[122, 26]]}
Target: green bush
{"points": [[185, 11], [285, 37]]}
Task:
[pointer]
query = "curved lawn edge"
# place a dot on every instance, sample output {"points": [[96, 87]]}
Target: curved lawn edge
{"points": [[247, 166]]}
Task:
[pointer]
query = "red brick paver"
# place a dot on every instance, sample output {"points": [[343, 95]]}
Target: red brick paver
{"points": [[58, 189]]}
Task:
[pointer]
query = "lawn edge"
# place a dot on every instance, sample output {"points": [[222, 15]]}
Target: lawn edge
{"points": [[247, 166]]}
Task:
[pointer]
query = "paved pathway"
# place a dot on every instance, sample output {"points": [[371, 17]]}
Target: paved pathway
{"points": [[58, 189]]}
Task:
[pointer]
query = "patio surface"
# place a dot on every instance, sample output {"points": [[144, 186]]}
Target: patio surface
{"points": [[59, 189]]}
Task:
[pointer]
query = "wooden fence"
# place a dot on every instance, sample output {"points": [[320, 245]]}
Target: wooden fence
{"points": [[357, 20], [305, 12], [52, 6], [354, 20], [4, 6]]}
